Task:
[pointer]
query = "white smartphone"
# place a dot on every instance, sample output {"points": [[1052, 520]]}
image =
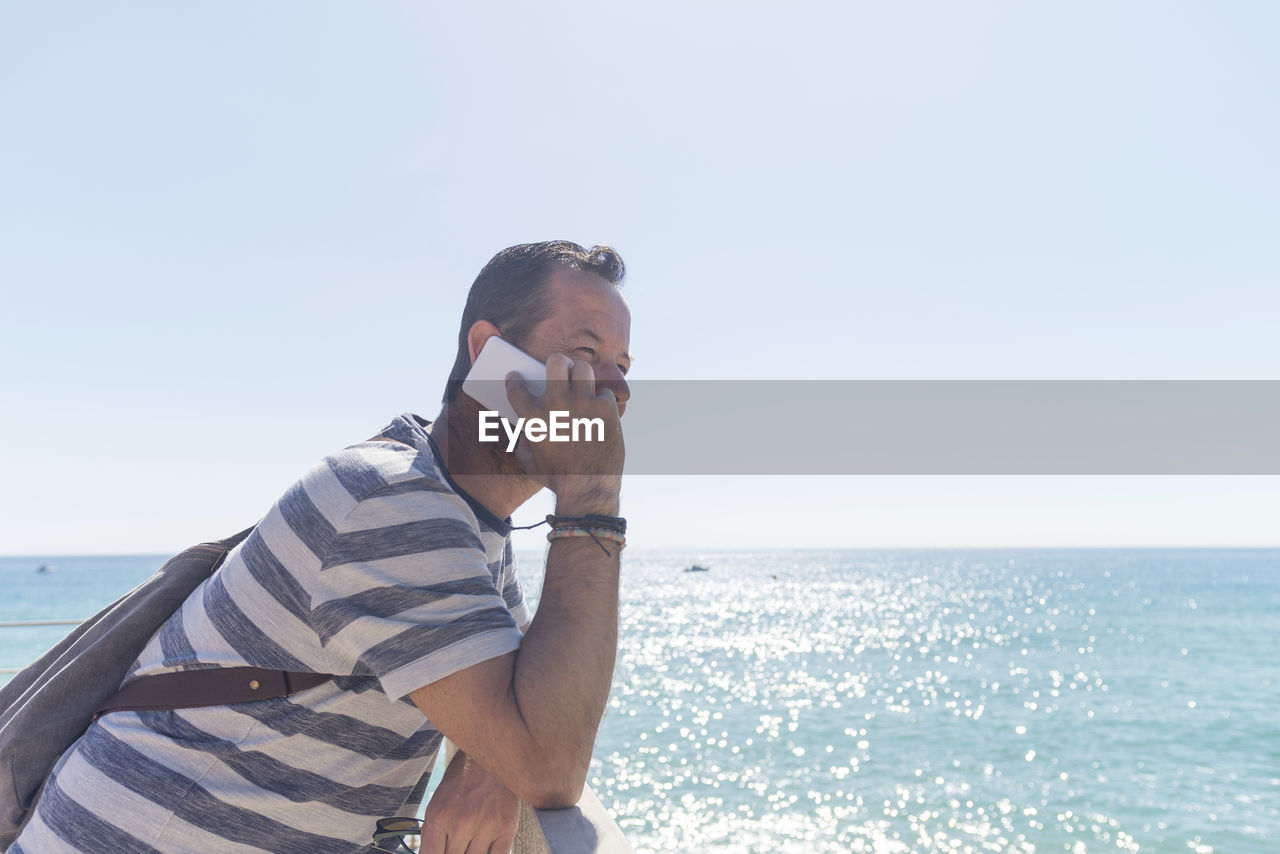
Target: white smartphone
{"points": [[486, 382]]}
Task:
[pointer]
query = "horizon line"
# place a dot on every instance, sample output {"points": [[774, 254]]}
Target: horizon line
{"points": [[635, 549]]}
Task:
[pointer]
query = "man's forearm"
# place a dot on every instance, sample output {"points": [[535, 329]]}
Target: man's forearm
{"points": [[564, 668]]}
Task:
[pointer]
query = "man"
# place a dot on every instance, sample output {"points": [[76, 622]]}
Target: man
{"points": [[389, 565]]}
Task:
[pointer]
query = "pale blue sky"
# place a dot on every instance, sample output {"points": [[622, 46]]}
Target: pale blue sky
{"points": [[235, 237]]}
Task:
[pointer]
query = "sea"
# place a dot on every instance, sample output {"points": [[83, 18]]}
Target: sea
{"points": [[1071, 700]]}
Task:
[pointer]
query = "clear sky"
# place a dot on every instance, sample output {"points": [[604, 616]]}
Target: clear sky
{"points": [[237, 236]]}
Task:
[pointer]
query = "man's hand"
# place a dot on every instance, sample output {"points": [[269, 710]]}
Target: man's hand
{"points": [[585, 475], [470, 812]]}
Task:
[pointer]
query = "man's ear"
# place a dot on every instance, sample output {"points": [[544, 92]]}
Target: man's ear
{"points": [[480, 332]]}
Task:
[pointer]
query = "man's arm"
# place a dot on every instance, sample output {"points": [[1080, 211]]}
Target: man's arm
{"points": [[530, 717], [470, 807]]}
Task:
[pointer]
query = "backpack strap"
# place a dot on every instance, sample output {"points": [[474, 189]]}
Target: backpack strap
{"points": [[189, 689]]}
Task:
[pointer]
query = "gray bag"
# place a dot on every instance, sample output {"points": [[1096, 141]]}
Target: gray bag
{"points": [[49, 704]]}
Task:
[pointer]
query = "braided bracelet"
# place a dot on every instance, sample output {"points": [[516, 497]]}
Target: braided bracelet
{"points": [[573, 531], [591, 520]]}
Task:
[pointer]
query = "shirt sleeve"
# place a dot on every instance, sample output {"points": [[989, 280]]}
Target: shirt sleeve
{"points": [[404, 592]]}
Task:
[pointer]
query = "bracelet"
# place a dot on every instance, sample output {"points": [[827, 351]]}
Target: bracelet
{"points": [[591, 520], [573, 531]]}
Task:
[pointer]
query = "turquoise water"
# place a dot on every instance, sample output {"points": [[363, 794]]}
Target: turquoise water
{"points": [[895, 701]]}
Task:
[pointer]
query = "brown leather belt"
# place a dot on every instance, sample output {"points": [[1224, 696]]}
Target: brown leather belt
{"points": [[189, 689]]}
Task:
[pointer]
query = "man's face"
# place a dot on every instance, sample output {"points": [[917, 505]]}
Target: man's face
{"points": [[588, 321]]}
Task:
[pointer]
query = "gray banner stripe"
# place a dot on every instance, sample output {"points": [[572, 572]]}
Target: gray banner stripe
{"points": [[953, 427]]}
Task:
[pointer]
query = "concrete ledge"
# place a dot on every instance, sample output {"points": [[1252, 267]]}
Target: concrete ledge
{"points": [[583, 829]]}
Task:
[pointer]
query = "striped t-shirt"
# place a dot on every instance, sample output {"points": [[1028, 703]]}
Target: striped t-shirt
{"points": [[374, 567]]}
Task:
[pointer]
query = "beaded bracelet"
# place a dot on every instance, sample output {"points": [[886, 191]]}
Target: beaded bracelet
{"points": [[569, 532]]}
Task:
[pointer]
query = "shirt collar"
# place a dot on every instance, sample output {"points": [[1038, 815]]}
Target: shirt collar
{"points": [[417, 425]]}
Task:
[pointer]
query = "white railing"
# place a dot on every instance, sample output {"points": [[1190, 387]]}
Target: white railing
{"points": [[583, 829]]}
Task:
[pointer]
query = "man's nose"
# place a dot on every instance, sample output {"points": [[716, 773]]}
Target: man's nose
{"points": [[616, 383]]}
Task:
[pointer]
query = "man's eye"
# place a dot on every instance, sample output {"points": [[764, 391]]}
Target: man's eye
{"points": [[623, 369], [589, 351]]}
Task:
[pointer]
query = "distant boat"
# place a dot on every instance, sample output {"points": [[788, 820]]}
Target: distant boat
{"points": [[46, 567], [696, 568]]}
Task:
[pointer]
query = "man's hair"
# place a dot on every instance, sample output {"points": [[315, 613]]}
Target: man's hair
{"points": [[509, 292]]}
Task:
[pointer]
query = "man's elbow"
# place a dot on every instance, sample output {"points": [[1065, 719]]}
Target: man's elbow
{"points": [[554, 785], [548, 795]]}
